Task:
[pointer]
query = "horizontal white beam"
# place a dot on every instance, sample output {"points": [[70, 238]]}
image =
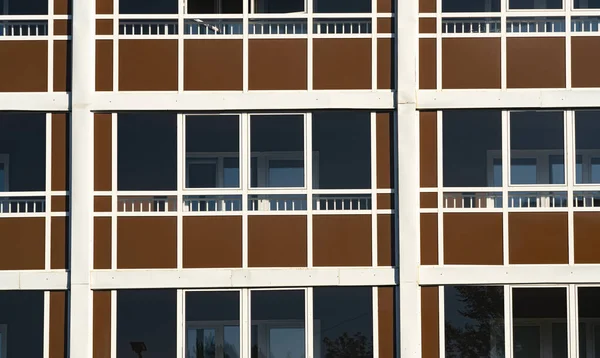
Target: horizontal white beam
{"points": [[33, 280], [239, 278], [514, 274], [43, 102], [518, 98], [239, 101]]}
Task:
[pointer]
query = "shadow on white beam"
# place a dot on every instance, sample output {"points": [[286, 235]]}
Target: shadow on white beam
{"points": [[38, 101], [33, 280]]}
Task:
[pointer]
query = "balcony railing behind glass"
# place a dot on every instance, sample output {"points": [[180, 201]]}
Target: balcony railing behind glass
{"points": [[342, 26], [148, 27], [213, 27], [585, 24], [471, 26], [341, 202], [535, 24], [22, 205], [290, 202], [217, 203], [484, 200], [277, 27], [23, 28], [586, 199], [146, 204], [537, 200]]}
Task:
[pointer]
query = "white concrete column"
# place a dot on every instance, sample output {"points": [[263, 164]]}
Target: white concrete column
{"points": [[82, 178]]}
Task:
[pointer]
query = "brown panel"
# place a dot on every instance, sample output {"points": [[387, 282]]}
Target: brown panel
{"points": [[59, 235], [104, 6], [342, 64], [385, 25], [104, 27], [277, 241], [430, 329], [428, 149], [24, 66], [384, 6], [102, 323], [342, 240], [23, 244], [60, 204], [429, 239], [473, 239], [385, 240], [221, 71], [60, 151], [458, 72], [427, 6], [210, 242], [62, 66], [104, 65], [538, 238], [385, 150], [385, 63], [276, 64], [103, 152], [62, 7], [587, 248], [385, 201], [58, 324], [102, 243], [146, 242], [585, 57], [386, 314], [148, 65], [427, 26], [429, 201], [102, 204], [535, 62], [62, 27], [427, 64]]}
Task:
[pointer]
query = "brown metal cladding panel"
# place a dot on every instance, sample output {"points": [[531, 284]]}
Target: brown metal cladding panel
{"points": [[458, 72], [587, 238], [387, 334], [428, 149], [62, 66], [60, 151], [277, 64], [429, 239], [342, 240], [427, 6], [24, 66], [535, 62], [342, 64], [427, 64], [103, 152], [538, 238], [104, 27], [146, 242], [59, 234], [277, 241], [427, 26], [60, 204], [104, 65], [385, 63], [430, 329], [473, 239], [585, 57], [62, 7], [385, 201], [58, 324], [429, 200], [101, 324], [385, 150], [221, 71], [23, 244], [212, 242], [102, 243], [385, 25], [104, 6], [385, 240], [148, 65], [384, 6], [62, 27], [102, 204]]}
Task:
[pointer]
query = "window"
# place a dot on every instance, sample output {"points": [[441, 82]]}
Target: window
{"points": [[587, 4], [535, 4], [21, 324], [470, 5], [3, 173], [277, 6], [148, 6], [342, 6], [589, 322], [3, 331], [587, 148], [214, 6], [24, 7]]}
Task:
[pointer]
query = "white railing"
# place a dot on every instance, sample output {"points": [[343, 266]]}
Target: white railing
{"points": [[22, 205], [23, 28], [585, 24], [537, 200], [344, 202], [146, 204], [277, 27], [481, 200], [342, 26], [213, 27], [589, 199], [197, 204], [277, 203], [470, 26], [147, 27], [535, 25]]}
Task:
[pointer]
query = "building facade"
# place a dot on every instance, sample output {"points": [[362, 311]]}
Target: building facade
{"points": [[299, 178]]}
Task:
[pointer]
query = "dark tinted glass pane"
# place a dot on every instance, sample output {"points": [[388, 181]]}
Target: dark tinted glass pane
{"points": [[587, 4], [474, 321], [148, 6], [589, 317], [342, 6], [147, 151], [471, 142], [587, 132], [343, 322], [278, 327], [23, 150], [277, 6], [342, 146], [22, 323], [24, 7], [535, 4], [214, 7], [147, 323], [470, 5]]}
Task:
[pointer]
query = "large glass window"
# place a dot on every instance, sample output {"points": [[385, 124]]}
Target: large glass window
{"points": [[21, 324], [471, 5], [278, 326], [587, 132], [589, 322], [587, 4], [535, 4], [24, 7], [276, 6], [342, 6], [214, 6], [148, 6]]}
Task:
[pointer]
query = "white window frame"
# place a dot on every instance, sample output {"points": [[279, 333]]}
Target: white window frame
{"points": [[4, 160], [3, 340]]}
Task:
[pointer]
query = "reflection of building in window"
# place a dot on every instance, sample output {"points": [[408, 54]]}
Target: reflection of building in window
{"points": [[3, 340], [277, 6], [3, 173]]}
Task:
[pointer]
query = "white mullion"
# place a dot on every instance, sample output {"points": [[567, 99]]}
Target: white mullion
{"points": [[505, 179], [508, 352], [373, 133], [573, 322], [245, 45], [114, 197], [46, 339], [113, 324], [441, 321], [180, 185], [440, 185], [244, 154], [245, 335], [375, 322], [310, 328], [308, 150], [570, 161], [180, 324], [48, 196]]}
